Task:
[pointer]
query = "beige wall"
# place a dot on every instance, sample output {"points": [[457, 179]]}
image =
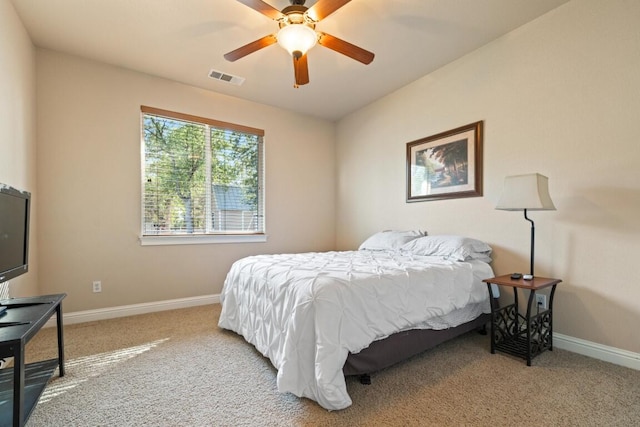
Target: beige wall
{"points": [[89, 182], [559, 96], [17, 127]]}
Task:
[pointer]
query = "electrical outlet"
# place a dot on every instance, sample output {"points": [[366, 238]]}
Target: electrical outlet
{"points": [[97, 286], [541, 301]]}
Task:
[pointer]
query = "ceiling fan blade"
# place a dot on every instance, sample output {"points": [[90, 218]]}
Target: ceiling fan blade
{"points": [[301, 70], [263, 8], [324, 8], [345, 48], [250, 48]]}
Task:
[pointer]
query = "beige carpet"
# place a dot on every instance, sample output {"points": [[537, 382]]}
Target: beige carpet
{"points": [[177, 368]]}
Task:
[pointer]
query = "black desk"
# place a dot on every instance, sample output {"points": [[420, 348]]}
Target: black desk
{"points": [[22, 320]]}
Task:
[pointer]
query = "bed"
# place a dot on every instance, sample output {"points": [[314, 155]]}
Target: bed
{"points": [[323, 315]]}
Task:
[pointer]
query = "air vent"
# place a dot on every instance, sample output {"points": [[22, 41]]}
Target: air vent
{"points": [[224, 77]]}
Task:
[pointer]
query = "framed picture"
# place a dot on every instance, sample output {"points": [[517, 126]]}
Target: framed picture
{"points": [[446, 166]]}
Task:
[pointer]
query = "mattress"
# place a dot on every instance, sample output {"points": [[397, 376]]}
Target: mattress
{"points": [[307, 312]]}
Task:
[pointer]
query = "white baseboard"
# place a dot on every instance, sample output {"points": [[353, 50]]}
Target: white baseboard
{"points": [[576, 345], [597, 351], [134, 309]]}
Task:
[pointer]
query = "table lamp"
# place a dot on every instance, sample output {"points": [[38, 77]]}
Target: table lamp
{"points": [[528, 192]]}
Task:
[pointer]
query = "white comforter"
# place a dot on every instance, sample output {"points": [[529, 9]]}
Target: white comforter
{"points": [[306, 312]]}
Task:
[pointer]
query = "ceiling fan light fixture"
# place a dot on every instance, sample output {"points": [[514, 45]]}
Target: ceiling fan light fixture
{"points": [[297, 39], [297, 34]]}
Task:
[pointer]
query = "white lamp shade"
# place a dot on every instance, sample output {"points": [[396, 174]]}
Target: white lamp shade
{"points": [[530, 192], [297, 38]]}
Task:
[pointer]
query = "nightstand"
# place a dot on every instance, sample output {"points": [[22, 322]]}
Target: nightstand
{"points": [[522, 336]]}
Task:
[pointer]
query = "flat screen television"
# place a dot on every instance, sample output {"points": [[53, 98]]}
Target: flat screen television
{"points": [[14, 232]]}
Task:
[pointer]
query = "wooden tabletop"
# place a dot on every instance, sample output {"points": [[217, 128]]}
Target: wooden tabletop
{"points": [[535, 283]]}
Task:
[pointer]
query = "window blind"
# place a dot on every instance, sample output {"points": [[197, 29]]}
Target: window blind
{"points": [[200, 176]]}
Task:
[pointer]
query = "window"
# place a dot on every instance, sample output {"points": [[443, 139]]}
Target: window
{"points": [[202, 179]]}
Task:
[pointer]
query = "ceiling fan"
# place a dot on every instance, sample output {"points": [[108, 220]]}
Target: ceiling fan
{"points": [[297, 34]]}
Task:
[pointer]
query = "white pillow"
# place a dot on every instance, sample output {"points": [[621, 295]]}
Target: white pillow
{"points": [[390, 240], [455, 248]]}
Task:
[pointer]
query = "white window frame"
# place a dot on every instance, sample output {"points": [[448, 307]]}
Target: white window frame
{"points": [[208, 237]]}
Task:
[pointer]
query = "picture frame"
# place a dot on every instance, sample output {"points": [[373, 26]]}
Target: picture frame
{"points": [[447, 165]]}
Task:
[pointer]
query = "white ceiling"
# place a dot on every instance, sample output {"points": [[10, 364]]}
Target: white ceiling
{"points": [[183, 40]]}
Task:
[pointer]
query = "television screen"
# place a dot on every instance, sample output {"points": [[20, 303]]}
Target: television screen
{"points": [[14, 232]]}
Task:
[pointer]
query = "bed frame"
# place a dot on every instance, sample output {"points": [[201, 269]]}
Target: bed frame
{"points": [[403, 345]]}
